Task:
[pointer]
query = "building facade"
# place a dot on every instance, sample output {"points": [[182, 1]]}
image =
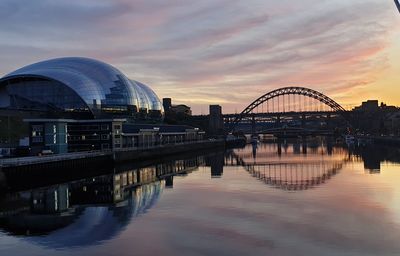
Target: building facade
{"points": [[79, 104]]}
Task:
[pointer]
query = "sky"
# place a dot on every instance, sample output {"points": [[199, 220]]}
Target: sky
{"points": [[226, 52]]}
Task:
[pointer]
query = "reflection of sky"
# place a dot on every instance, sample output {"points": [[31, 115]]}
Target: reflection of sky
{"points": [[356, 213], [345, 215]]}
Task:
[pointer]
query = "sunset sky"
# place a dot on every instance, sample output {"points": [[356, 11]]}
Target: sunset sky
{"points": [[225, 52]]}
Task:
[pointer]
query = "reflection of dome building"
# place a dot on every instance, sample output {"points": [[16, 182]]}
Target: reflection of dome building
{"points": [[77, 87], [83, 225]]}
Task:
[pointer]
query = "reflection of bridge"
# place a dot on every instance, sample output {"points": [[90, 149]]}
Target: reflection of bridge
{"points": [[289, 107], [294, 176], [293, 173]]}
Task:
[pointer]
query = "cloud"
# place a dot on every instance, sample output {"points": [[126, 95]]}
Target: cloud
{"points": [[202, 52]]}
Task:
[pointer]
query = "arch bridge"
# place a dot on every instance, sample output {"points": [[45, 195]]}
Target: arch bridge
{"points": [[289, 108]]}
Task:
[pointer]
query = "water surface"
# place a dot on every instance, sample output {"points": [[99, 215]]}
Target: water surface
{"points": [[295, 197]]}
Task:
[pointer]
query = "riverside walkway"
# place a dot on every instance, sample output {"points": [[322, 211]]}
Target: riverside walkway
{"points": [[118, 155]]}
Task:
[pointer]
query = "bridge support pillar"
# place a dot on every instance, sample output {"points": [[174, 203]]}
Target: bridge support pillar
{"points": [[253, 125], [304, 146], [279, 147], [303, 121], [328, 121], [278, 121]]}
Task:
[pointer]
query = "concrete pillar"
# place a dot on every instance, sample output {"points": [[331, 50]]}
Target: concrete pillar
{"points": [[328, 121], [278, 120], [253, 125]]}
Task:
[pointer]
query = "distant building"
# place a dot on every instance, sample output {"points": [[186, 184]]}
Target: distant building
{"points": [[167, 103], [392, 122], [181, 109], [216, 122], [373, 106], [176, 109], [368, 106], [375, 119]]}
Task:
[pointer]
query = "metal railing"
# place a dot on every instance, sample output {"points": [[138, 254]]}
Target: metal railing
{"points": [[87, 154], [51, 158]]}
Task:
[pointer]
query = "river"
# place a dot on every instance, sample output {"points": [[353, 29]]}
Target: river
{"points": [[288, 197]]}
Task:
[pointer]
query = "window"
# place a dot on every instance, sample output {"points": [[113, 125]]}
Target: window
{"points": [[104, 127], [105, 137], [37, 128], [37, 139], [117, 136], [105, 146], [117, 127], [36, 134], [93, 137]]}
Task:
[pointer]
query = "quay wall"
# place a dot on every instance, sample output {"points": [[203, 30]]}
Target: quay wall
{"points": [[43, 173], [47, 169], [165, 150]]}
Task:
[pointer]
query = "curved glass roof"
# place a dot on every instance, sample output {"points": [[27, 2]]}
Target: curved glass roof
{"points": [[149, 96], [97, 83]]}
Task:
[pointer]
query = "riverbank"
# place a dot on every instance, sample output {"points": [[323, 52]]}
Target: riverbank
{"points": [[127, 155], [83, 159], [44, 169]]}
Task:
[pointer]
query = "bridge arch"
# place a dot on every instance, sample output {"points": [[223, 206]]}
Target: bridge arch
{"points": [[307, 92]]}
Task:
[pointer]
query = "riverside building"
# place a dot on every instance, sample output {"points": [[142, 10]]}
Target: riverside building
{"points": [[81, 104]]}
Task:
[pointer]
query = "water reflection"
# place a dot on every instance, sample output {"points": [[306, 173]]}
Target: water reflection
{"points": [[88, 211], [374, 155], [216, 163], [291, 164]]}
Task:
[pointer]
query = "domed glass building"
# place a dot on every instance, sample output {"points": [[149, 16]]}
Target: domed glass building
{"points": [[79, 88]]}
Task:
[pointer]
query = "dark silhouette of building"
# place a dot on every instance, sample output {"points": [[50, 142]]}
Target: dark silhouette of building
{"points": [[375, 119], [216, 122], [368, 106], [181, 109], [167, 104]]}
